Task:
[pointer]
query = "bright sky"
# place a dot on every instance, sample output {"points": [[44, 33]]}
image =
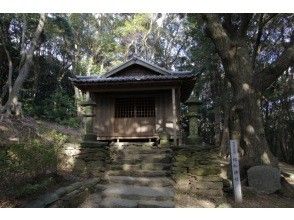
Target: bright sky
{"points": [[155, 6]]}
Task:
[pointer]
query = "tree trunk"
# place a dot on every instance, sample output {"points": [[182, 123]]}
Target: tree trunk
{"points": [[12, 102], [78, 93], [224, 149], [253, 135], [247, 106], [217, 126], [7, 88], [234, 51]]}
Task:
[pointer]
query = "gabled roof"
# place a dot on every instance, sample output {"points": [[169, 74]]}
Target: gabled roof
{"points": [[113, 78], [140, 62]]}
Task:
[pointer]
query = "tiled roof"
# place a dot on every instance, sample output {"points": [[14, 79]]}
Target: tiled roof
{"points": [[141, 62], [97, 79], [161, 76]]}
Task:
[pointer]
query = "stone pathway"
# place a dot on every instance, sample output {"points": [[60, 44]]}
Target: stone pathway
{"points": [[147, 175], [138, 176]]}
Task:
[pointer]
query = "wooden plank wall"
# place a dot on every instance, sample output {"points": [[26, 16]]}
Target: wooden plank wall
{"points": [[104, 119]]}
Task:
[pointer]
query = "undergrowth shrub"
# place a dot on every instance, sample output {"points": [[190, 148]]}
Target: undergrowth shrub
{"points": [[59, 107], [22, 162]]}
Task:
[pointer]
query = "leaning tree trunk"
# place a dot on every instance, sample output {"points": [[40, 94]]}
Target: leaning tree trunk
{"points": [[12, 102], [234, 48], [253, 140]]}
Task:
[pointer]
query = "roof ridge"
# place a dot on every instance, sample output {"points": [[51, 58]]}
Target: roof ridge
{"points": [[140, 61]]}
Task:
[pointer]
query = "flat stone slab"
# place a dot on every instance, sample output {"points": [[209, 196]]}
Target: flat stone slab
{"points": [[156, 204], [141, 166], [93, 201], [112, 202], [138, 192], [141, 181], [264, 179], [138, 173]]}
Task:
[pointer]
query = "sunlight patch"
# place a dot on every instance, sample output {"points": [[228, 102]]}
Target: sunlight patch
{"points": [[16, 139], [250, 129], [3, 128], [265, 158]]}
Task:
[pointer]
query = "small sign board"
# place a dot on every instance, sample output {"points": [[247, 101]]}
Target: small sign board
{"points": [[235, 171]]}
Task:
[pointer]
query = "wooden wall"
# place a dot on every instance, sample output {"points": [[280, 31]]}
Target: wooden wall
{"points": [[105, 121]]}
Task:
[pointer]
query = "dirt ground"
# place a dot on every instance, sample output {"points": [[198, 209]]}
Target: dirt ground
{"points": [[263, 201]]}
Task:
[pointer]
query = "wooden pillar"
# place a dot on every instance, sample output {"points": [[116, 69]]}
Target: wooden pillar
{"points": [[174, 106]]}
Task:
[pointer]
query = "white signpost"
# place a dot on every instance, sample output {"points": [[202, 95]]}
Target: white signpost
{"points": [[235, 171]]}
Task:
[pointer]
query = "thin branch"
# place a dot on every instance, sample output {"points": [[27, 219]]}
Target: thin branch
{"points": [[269, 75], [257, 42], [228, 25], [23, 45], [245, 22]]}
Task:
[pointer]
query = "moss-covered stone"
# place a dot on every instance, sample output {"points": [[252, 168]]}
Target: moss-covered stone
{"points": [[204, 171]]}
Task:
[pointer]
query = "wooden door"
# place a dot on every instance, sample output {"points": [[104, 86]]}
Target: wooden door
{"points": [[134, 117]]}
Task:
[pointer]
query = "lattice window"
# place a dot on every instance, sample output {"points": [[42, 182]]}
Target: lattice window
{"points": [[145, 107], [124, 108], [135, 107]]}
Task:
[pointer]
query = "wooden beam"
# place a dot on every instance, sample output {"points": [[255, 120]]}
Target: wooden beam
{"points": [[174, 106]]}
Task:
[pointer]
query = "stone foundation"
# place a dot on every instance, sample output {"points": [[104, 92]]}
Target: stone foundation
{"points": [[68, 197], [86, 160], [196, 172]]}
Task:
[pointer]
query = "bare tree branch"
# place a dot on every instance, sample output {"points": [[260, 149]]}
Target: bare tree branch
{"points": [[270, 74], [245, 22], [217, 32], [257, 42], [23, 40], [228, 25]]}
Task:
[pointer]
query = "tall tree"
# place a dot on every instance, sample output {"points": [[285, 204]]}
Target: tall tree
{"points": [[232, 37], [27, 52]]}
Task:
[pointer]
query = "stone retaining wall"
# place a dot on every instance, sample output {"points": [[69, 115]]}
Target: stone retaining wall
{"points": [[84, 160], [69, 196], [196, 171]]}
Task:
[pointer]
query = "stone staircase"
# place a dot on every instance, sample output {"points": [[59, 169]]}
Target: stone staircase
{"points": [[139, 176]]}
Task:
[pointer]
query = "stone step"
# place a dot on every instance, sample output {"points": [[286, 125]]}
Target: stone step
{"points": [[135, 144], [130, 151], [139, 193], [156, 204], [141, 181], [207, 185], [154, 158], [209, 193], [141, 148], [111, 202], [142, 154], [127, 203], [140, 166], [138, 173]]}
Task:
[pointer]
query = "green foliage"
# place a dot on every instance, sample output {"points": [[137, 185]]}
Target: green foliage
{"points": [[59, 107], [21, 162], [56, 137], [29, 157], [139, 23], [31, 189]]}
